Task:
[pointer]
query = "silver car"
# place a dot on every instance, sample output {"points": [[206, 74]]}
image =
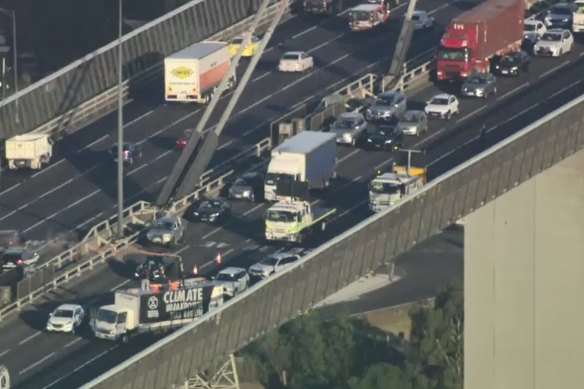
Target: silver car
{"points": [[479, 85], [349, 127], [167, 231], [272, 264], [387, 106], [413, 123]]}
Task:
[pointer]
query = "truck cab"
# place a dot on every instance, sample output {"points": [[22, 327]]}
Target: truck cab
{"points": [[578, 17], [114, 323], [368, 16], [387, 189], [288, 221]]}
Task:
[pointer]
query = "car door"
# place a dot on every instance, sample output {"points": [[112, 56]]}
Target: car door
{"points": [[453, 104], [77, 316]]}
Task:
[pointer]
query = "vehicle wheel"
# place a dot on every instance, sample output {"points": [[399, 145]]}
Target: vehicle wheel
{"points": [[74, 330], [560, 52], [125, 339], [353, 142], [448, 115], [252, 197], [206, 99]]}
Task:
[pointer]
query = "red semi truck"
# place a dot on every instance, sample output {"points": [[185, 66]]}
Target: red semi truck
{"points": [[494, 27]]}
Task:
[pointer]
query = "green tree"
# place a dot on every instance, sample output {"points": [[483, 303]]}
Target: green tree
{"points": [[435, 356], [381, 376]]}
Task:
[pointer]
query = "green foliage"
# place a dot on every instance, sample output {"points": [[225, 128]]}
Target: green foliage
{"points": [[381, 376]]}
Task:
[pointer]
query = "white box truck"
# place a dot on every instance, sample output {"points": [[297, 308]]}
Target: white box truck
{"points": [[137, 311], [192, 74], [28, 151], [578, 17], [309, 157]]}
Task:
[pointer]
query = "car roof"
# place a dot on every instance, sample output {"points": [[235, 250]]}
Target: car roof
{"points": [[556, 30], [15, 250], [390, 93], [414, 112], [294, 52], [68, 307], [419, 12], [231, 270], [250, 175], [530, 21], [350, 115], [167, 218], [282, 255], [441, 96]]}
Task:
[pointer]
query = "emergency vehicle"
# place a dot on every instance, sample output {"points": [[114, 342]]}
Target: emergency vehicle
{"points": [[368, 16]]}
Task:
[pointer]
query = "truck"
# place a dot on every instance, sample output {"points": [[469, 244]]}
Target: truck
{"points": [[194, 73], [368, 16], [491, 29], [327, 7], [309, 157], [388, 188], [294, 220], [32, 151], [140, 310], [578, 17], [4, 378]]}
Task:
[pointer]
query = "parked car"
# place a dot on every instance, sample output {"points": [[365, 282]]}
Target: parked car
{"points": [[442, 106], [249, 186], [167, 231], [18, 256], [295, 61], [422, 20], [479, 85], [413, 123], [382, 137], [513, 64], [272, 264], [554, 43], [235, 280], [212, 210], [66, 318], [349, 127], [182, 141], [250, 49], [130, 153], [387, 106]]}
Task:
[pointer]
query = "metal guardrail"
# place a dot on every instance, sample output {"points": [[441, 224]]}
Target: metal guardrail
{"points": [[354, 253], [106, 101]]}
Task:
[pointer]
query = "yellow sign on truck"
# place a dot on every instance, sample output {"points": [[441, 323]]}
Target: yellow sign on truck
{"points": [[30, 151]]}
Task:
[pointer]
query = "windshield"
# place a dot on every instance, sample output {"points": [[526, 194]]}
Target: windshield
{"points": [[384, 101], [561, 11], [11, 256], [380, 130], [210, 204], [359, 16], [290, 57], [241, 182], [106, 316], [163, 225], [225, 277], [237, 41], [551, 37], [580, 9], [269, 261], [63, 313], [476, 80], [510, 60], [343, 124], [453, 54], [439, 101], [272, 178], [281, 216], [415, 18], [383, 187], [410, 118], [529, 27]]}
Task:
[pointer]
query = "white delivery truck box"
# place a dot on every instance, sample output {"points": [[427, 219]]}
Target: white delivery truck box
{"points": [[29, 151]]}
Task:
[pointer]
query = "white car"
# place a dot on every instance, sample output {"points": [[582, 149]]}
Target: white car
{"points": [[272, 264], [422, 20], [234, 280], [349, 127], [295, 61], [442, 106], [554, 43], [533, 30], [66, 318]]}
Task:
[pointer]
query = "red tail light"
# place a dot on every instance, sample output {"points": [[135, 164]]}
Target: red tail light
{"points": [[19, 262]]}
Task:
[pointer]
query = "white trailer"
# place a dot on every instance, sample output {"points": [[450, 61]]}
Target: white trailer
{"points": [[193, 74], [309, 157], [29, 151]]}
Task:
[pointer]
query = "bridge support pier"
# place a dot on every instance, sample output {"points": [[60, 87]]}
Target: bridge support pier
{"points": [[224, 378], [524, 282]]}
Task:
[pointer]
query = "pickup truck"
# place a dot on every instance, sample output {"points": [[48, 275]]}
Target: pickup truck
{"points": [[293, 221]]}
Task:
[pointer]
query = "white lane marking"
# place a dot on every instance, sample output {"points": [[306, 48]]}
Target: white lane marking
{"points": [[11, 188], [223, 255], [304, 32], [185, 248], [522, 112], [92, 144], [552, 70], [255, 104], [582, 54], [88, 221], [71, 343], [261, 76], [47, 168], [562, 90], [513, 91], [120, 285], [208, 235], [354, 207], [336, 37], [33, 365], [4, 352], [314, 73], [80, 367], [136, 120], [347, 156], [29, 338], [252, 210], [471, 114]]}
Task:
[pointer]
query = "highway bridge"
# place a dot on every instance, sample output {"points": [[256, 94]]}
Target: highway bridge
{"points": [[78, 192]]}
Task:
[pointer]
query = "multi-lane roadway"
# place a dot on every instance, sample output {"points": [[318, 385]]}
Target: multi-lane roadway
{"points": [[36, 359]]}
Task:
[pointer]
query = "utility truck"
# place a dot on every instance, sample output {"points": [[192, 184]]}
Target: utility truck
{"points": [[137, 310], [578, 17], [294, 220], [388, 188], [194, 73], [492, 28], [309, 157], [30, 151]]}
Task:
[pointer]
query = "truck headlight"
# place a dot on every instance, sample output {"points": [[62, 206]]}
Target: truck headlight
{"points": [[246, 193], [166, 237]]}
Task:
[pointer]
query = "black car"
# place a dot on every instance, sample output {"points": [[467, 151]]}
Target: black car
{"points": [[130, 153], [151, 269], [212, 210], [249, 186], [382, 137], [513, 64], [18, 256]]}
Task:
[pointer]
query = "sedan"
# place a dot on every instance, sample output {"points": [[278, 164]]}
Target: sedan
{"points": [[249, 51], [479, 85], [387, 106], [533, 29], [513, 64], [66, 318], [273, 264], [413, 123], [554, 43], [422, 20], [213, 210], [349, 127], [382, 137], [130, 152], [295, 61], [15, 257], [182, 141], [249, 186], [442, 106], [559, 16]]}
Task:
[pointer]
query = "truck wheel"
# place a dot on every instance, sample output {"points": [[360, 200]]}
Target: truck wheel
{"points": [[300, 238]]}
